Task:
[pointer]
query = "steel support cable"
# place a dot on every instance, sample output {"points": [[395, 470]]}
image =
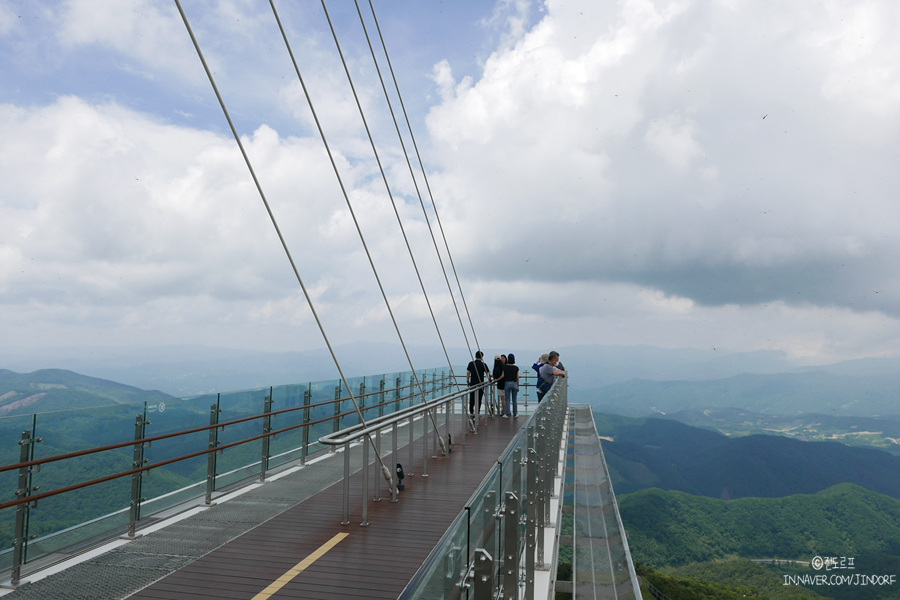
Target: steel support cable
{"points": [[384, 469], [415, 184], [349, 204], [428, 187], [391, 196], [362, 237]]}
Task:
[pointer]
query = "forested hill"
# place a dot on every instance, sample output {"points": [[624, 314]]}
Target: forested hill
{"points": [[56, 389], [674, 528], [669, 455]]}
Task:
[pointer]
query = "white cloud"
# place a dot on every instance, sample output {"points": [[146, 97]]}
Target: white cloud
{"points": [[861, 53], [673, 138], [641, 172], [7, 20], [149, 32]]}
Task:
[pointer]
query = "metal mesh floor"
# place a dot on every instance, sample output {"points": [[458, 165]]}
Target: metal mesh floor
{"points": [[601, 566]]}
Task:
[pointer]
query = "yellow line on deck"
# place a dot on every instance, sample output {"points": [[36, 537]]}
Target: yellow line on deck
{"points": [[299, 567]]}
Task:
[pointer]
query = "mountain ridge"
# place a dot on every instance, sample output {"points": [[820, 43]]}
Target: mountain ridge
{"points": [[49, 390], [654, 452]]}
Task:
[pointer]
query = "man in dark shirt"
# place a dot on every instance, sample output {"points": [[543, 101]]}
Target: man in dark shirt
{"points": [[476, 373]]}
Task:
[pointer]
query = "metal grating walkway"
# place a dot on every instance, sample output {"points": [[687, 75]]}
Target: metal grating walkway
{"points": [[601, 563]]}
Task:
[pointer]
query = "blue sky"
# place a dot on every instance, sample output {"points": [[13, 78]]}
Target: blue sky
{"points": [[678, 173]]}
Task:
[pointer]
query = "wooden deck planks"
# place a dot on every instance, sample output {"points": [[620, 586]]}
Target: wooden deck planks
{"points": [[371, 562]]}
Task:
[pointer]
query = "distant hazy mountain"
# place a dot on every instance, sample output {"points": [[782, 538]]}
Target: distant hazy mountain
{"points": [[670, 455], [820, 391], [191, 370], [56, 389]]}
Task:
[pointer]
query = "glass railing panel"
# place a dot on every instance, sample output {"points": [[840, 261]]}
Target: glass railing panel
{"points": [[322, 412], [244, 460], [401, 393], [374, 396], [441, 578], [348, 410], [88, 512], [11, 429], [421, 386], [111, 499], [394, 386], [287, 446], [180, 481], [483, 524], [527, 395]]}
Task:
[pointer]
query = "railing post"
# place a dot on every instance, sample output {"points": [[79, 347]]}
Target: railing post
{"points": [[484, 574], [365, 481], [395, 478], [447, 408], [517, 465], [307, 398], [346, 520], [378, 477], [266, 441], [489, 527], [412, 435], [551, 454], [20, 547], [531, 527], [211, 468], [398, 383], [511, 547], [541, 500], [134, 512], [425, 420], [337, 408]]}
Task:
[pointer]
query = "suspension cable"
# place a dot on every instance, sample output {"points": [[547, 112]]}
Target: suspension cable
{"points": [[347, 196], [431, 196], [391, 196], [384, 470]]}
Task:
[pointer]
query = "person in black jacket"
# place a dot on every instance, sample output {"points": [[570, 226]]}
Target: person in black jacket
{"points": [[511, 385], [499, 363], [476, 374]]}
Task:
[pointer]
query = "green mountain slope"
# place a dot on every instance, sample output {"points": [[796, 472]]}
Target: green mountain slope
{"points": [[871, 432], [723, 580], [50, 390], [670, 455], [674, 528]]}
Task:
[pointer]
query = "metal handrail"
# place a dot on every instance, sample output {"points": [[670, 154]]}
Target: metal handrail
{"points": [[355, 432], [360, 431]]}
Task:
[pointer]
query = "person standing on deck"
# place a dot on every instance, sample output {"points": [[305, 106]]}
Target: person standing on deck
{"points": [[476, 374], [548, 374], [511, 385], [499, 363]]}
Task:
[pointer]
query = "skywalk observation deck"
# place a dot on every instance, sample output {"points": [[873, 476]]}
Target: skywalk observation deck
{"points": [[489, 508]]}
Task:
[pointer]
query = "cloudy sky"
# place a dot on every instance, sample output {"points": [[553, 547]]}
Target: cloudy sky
{"points": [[679, 173]]}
